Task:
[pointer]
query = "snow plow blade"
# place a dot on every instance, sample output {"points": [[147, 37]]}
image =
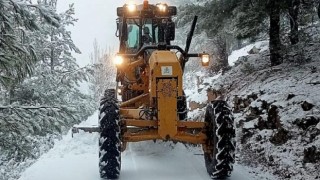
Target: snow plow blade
{"points": [[85, 129]]}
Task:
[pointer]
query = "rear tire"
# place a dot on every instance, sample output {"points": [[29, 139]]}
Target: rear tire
{"points": [[220, 131], [109, 141]]}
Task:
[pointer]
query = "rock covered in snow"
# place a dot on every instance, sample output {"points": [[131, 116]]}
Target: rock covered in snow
{"points": [[254, 50]]}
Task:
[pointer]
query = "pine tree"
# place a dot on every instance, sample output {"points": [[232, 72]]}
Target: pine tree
{"points": [[214, 19], [50, 101], [17, 51], [104, 71], [58, 76], [250, 19]]}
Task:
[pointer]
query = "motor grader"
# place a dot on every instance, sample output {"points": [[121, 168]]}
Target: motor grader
{"points": [[149, 103]]}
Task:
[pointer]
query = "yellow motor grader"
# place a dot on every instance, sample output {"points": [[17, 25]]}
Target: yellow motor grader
{"points": [[152, 102]]}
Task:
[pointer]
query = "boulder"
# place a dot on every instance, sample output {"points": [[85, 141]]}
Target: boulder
{"points": [[306, 106], [305, 123], [311, 155], [254, 50], [273, 120], [280, 137]]}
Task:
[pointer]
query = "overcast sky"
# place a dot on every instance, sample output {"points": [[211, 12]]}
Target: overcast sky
{"points": [[96, 19]]}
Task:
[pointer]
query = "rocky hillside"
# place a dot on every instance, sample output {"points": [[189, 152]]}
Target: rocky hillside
{"points": [[277, 109]]}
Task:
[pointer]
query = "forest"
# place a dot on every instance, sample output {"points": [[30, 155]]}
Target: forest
{"points": [[230, 24], [39, 79]]}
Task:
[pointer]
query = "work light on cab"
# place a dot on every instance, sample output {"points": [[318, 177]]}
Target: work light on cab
{"points": [[118, 60], [205, 59], [162, 7], [131, 7]]}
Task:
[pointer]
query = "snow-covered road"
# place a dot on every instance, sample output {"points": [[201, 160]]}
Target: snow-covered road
{"points": [[77, 158]]}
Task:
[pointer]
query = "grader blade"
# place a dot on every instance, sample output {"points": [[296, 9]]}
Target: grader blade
{"points": [[92, 129]]}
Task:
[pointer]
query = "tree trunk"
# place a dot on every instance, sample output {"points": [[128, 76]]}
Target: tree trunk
{"points": [[274, 33], [294, 7], [221, 53]]}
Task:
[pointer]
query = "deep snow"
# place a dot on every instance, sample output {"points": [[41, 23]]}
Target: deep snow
{"points": [[77, 158]]}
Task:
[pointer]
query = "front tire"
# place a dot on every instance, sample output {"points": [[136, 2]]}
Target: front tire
{"points": [[220, 154], [109, 141]]}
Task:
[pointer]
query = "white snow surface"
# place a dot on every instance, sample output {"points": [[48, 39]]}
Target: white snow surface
{"points": [[234, 56], [77, 158], [197, 91]]}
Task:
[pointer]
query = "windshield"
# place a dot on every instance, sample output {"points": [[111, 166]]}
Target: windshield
{"points": [[149, 33], [133, 34]]}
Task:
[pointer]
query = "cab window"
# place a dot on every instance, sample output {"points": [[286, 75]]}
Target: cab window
{"points": [[133, 34], [150, 30]]}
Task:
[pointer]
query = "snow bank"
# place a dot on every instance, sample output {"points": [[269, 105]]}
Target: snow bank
{"points": [[234, 56], [68, 156], [197, 92]]}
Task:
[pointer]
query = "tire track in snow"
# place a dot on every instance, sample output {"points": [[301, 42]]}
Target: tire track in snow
{"points": [[159, 161], [200, 167]]}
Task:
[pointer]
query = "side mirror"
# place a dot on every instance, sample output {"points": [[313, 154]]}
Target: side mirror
{"points": [[172, 10], [117, 32], [170, 31], [205, 60], [120, 11]]}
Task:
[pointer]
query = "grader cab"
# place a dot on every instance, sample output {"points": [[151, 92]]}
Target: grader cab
{"points": [[149, 102]]}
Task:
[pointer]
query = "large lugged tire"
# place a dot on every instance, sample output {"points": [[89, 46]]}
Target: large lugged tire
{"points": [[109, 142], [220, 131]]}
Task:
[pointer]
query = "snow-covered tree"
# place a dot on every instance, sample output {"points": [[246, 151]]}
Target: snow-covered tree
{"points": [[50, 101], [215, 22], [17, 50], [251, 20], [104, 71]]}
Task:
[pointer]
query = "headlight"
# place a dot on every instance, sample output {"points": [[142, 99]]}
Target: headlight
{"points": [[119, 91], [132, 7], [162, 7], [205, 59], [118, 60]]}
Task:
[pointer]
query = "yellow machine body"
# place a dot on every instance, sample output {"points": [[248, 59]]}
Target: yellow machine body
{"points": [[151, 103], [150, 79], [163, 85]]}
